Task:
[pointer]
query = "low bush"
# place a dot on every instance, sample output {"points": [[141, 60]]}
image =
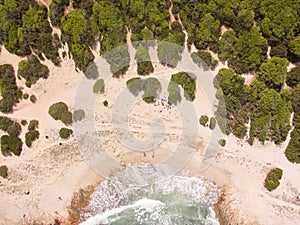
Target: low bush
{"points": [[203, 120], [25, 96], [222, 142], [273, 178], [105, 103], [65, 133], [33, 125], [59, 111], [188, 82], [31, 136], [11, 127], [212, 123], [10, 144], [99, 86], [33, 99], [78, 115], [3, 171], [135, 85], [23, 122]]}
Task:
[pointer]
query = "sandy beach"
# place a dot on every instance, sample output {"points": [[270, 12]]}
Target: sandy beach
{"points": [[53, 169]]}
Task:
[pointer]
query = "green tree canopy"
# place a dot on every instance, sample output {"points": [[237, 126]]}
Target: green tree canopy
{"points": [[273, 72]]}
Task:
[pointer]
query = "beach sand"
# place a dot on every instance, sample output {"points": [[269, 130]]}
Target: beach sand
{"points": [[54, 169]]}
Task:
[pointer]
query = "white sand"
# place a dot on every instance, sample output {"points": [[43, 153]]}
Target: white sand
{"points": [[50, 171]]}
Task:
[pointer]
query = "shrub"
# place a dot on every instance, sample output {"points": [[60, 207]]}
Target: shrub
{"points": [[203, 120], [11, 127], [222, 142], [33, 125], [3, 171], [10, 144], [272, 180], [99, 86], [24, 122], [59, 111], [32, 70], [15, 129], [105, 103], [65, 133], [212, 123], [25, 96], [78, 115], [152, 88], [31, 136], [135, 85], [33, 98]]}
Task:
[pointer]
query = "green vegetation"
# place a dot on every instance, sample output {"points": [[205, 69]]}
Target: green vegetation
{"points": [[187, 81], [222, 142], [25, 96], [31, 136], [65, 133], [13, 128], [105, 103], [33, 99], [292, 151], [203, 120], [33, 125], [273, 178], [60, 111], [273, 72], [144, 64], [99, 86], [32, 70], [212, 123], [76, 30], [268, 110], [3, 171], [150, 86], [8, 87], [11, 144], [152, 89], [23, 122], [78, 115], [293, 77], [27, 30], [204, 60]]}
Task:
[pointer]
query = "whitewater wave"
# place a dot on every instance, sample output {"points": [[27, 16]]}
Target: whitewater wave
{"points": [[143, 194]]}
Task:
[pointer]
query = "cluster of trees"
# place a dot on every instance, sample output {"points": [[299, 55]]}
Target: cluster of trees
{"points": [[245, 44], [60, 111], [24, 28], [187, 81], [9, 89], [273, 178], [10, 143], [204, 60], [32, 70], [268, 109], [32, 133], [151, 88], [292, 151]]}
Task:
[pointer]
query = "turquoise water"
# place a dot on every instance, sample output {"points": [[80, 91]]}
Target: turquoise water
{"points": [[147, 195]]}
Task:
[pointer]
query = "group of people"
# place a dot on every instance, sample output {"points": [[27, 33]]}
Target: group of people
{"points": [[163, 103]]}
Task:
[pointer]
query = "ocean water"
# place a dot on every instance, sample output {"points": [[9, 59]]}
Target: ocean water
{"points": [[147, 195]]}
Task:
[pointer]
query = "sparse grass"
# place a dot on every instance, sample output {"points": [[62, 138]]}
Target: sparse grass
{"points": [[79, 201], [273, 178]]}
